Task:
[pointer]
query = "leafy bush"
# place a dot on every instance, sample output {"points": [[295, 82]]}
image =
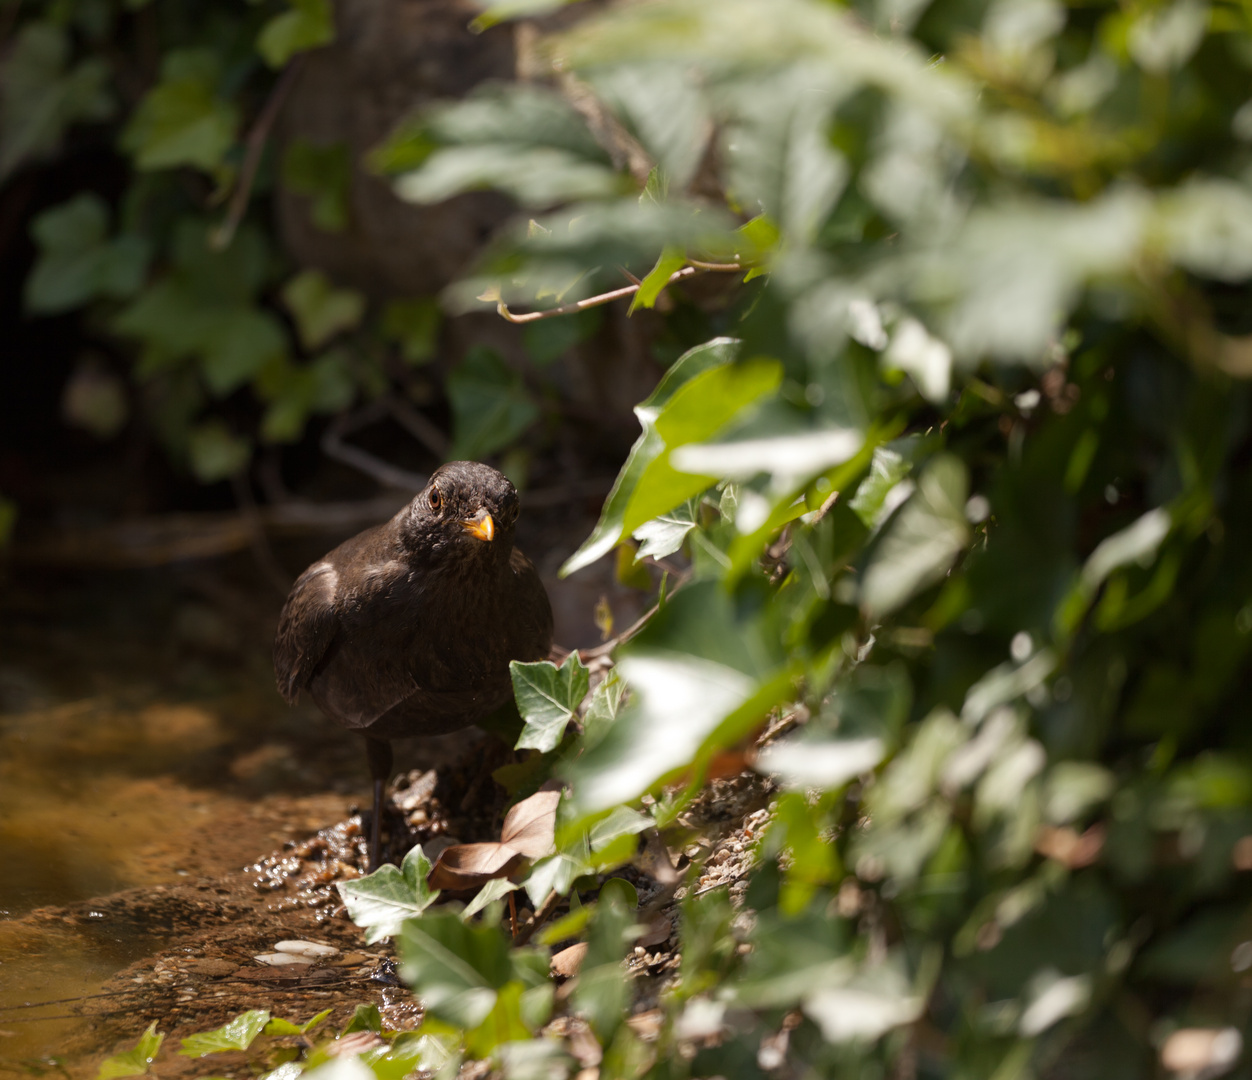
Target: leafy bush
{"points": [[965, 486]]}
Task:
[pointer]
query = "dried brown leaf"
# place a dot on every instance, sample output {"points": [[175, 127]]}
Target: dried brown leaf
{"points": [[567, 962], [530, 826], [658, 932], [470, 866]]}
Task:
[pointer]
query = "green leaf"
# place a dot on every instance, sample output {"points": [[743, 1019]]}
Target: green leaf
{"points": [[527, 142], [236, 1034], [456, 968], [77, 263], [665, 534], [133, 1062], [697, 663], [671, 260], [549, 339], [648, 447], [548, 697], [324, 174], [216, 451], [181, 120], [307, 24], [414, 326], [698, 409], [621, 821], [882, 491], [279, 1026], [42, 96], [491, 407], [494, 890], [381, 902], [919, 544], [320, 310], [365, 1017]]}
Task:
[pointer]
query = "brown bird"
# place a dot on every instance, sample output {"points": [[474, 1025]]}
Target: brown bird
{"points": [[408, 628]]}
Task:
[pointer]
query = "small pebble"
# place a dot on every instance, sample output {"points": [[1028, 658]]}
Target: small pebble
{"points": [[312, 949], [282, 959]]}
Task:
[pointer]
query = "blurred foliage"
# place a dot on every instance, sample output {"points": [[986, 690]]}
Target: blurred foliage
{"points": [[963, 485]]}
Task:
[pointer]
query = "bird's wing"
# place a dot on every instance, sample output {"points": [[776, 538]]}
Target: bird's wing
{"points": [[306, 628]]}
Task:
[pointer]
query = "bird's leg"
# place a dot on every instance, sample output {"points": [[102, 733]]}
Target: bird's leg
{"points": [[378, 751]]}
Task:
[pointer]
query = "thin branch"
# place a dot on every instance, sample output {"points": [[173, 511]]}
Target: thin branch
{"points": [[615, 294], [603, 650], [258, 136], [536, 920], [261, 550], [385, 473]]}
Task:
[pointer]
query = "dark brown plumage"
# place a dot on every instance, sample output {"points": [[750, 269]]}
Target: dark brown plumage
{"points": [[408, 628]]}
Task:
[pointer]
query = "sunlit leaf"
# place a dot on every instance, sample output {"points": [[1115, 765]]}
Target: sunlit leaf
{"points": [[135, 1061], [547, 697], [380, 902], [236, 1034], [919, 544], [609, 530]]}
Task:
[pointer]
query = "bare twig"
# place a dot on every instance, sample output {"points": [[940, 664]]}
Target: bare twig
{"points": [[603, 650], [261, 549], [384, 472], [418, 426], [615, 294], [536, 920], [257, 138]]}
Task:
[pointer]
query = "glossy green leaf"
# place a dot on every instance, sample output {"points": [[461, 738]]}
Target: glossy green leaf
{"points": [[919, 544], [609, 530], [457, 968], [548, 698], [381, 902], [236, 1034], [135, 1061]]}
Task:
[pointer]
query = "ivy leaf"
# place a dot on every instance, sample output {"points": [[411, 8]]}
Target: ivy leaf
{"points": [[41, 95], [882, 491], [489, 893], [380, 902], [919, 543], [671, 260], [321, 311], [491, 407], [133, 1062], [665, 534], [648, 447], [414, 326], [548, 697], [307, 24], [456, 968], [216, 452], [236, 1034], [77, 262], [181, 120], [324, 174], [279, 1026]]}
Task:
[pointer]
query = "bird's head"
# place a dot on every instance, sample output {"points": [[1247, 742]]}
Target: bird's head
{"points": [[466, 511]]}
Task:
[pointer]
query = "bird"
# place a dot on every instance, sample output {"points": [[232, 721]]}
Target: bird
{"points": [[407, 629]]}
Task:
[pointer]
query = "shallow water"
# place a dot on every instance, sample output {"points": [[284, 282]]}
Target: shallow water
{"points": [[141, 743]]}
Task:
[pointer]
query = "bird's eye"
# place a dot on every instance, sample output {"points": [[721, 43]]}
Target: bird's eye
{"points": [[436, 498]]}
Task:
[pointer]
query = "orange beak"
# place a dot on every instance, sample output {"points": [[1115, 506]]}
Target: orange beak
{"points": [[480, 526]]}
